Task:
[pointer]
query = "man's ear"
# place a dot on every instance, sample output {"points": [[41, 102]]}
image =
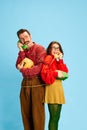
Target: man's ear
{"points": [[30, 36]]}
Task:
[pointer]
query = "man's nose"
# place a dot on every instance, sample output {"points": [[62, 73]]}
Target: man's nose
{"points": [[24, 40]]}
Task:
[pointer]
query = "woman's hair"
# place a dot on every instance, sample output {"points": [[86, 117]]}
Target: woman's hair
{"points": [[49, 48], [22, 31]]}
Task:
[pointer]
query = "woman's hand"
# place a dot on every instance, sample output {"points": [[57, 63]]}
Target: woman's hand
{"points": [[58, 56], [60, 74]]}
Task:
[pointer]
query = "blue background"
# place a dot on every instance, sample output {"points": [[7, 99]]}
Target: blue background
{"points": [[61, 20]]}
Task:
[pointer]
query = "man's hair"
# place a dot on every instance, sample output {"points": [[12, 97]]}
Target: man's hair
{"points": [[22, 31]]}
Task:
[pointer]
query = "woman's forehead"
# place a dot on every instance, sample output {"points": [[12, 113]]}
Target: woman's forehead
{"points": [[55, 45]]}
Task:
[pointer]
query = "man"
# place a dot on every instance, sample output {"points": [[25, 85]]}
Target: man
{"points": [[32, 90]]}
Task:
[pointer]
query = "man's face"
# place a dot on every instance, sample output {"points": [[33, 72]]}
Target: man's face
{"points": [[25, 38]]}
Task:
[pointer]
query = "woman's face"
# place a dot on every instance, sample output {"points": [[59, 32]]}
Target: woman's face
{"points": [[55, 49]]}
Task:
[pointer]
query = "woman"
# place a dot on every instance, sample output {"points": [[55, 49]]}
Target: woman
{"points": [[53, 72]]}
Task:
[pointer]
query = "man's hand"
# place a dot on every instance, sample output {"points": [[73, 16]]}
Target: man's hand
{"points": [[20, 66], [20, 46]]}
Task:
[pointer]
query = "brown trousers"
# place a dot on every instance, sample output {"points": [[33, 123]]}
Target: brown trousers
{"points": [[32, 106]]}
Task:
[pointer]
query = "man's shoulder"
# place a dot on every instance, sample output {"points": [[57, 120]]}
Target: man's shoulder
{"points": [[39, 46]]}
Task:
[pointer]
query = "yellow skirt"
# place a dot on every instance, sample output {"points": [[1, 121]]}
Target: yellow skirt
{"points": [[54, 93]]}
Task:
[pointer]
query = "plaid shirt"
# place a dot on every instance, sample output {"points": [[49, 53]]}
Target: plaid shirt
{"points": [[37, 54]]}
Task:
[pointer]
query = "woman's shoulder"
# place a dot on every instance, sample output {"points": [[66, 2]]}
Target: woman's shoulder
{"points": [[48, 59]]}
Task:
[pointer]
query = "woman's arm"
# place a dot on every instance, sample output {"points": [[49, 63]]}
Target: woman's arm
{"points": [[48, 74]]}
